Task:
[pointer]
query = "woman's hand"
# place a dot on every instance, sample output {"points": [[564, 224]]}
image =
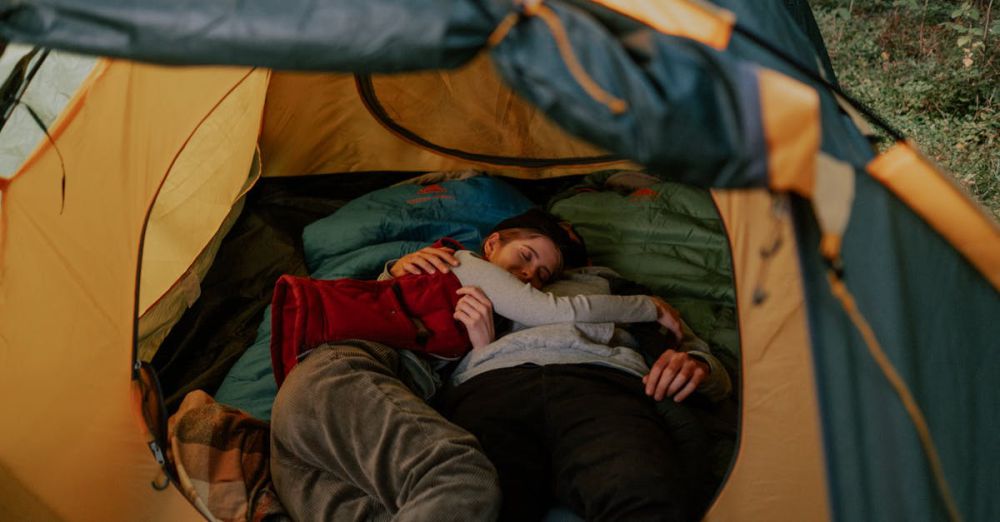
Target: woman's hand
{"points": [[675, 374], [475, 311], [427, 260], [668, 316]]}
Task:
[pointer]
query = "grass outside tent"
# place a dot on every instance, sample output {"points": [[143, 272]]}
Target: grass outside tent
{"points": [[932, 69]]}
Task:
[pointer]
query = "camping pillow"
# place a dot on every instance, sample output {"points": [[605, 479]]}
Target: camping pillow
{"points": [[358, 239]]}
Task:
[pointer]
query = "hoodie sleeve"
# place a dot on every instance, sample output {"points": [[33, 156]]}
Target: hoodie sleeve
{"points": [[524, 304]]}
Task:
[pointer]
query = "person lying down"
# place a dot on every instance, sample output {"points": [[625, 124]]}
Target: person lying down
{"points": [[433, 302], [545, 412]]}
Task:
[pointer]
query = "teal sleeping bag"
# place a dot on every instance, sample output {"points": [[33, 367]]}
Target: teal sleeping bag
{"points": [[358, 239]]}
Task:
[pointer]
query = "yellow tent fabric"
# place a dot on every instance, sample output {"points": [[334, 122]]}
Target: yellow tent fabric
{"points": [[69, 300], [68, 296], [779, 472], [467, 109]]}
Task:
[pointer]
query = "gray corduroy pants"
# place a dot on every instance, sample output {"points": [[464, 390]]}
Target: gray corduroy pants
{"points": [[349, 441]]}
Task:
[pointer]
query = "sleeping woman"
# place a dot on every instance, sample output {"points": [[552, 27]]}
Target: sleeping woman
{"points": [[416, 307], [351, 440]]}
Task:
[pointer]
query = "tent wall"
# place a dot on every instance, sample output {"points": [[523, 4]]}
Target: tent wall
{"points": [[68, 297], [935, 317], [160, 318], [466, 109], [779, 471], [206, 178], [20, 503], [201, 199], [68, 289]]}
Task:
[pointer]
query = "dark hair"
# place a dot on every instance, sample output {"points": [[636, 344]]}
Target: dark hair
{"points": [[570, 245]]}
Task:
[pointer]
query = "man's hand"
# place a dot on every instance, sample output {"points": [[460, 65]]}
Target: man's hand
{"points": [[668, 316], [427, 260], [675, 374], [475, 311]]}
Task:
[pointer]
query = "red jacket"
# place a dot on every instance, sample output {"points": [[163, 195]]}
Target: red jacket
{"points": [[412, 312]]}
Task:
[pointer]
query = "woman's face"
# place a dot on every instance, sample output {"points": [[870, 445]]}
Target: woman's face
{"points": [[531, 259]]}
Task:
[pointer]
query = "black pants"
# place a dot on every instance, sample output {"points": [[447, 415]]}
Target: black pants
{"points": [[585, 435]]}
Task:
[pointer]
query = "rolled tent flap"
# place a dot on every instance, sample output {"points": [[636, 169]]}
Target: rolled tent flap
{"points": [[688, 109], [682, 105], [206, 178], [343, 35]]}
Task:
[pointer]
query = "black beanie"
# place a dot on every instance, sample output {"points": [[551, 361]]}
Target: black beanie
{"points": [[574, 252]]}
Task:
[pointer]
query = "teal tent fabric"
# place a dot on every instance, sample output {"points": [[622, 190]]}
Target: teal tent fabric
{"points": [[343, 35], [937, 320]]}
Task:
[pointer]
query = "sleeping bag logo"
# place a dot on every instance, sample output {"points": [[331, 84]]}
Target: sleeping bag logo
{"points": [[643, 195], [434, 191]]}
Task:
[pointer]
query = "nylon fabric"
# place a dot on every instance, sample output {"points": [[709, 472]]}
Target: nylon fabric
{"points": [[696, 20], [655, 131], [689, 115], [668, 237], [297, 34], [946, 208], [470, 109], [677, 81], [207, 177], [394, 221], [324, 115], [780, 433], [88, 253], [914, 278]]}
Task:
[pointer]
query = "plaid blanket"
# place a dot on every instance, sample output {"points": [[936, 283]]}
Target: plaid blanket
{"points": [[221, 455]]}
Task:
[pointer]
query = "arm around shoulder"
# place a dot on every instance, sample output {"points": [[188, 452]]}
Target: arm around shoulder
{"points": [[520, 302]]}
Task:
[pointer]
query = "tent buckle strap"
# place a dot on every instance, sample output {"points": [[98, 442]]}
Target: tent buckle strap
{"points": [[835, 265], [522, 9], [779, 213]]}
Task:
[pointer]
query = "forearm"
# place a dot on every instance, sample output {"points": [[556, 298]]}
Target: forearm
{"points": [[717, 385], [521, 302], [654, 340]]}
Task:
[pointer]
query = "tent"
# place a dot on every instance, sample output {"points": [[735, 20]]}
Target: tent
{"points": [[867, 284]]}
